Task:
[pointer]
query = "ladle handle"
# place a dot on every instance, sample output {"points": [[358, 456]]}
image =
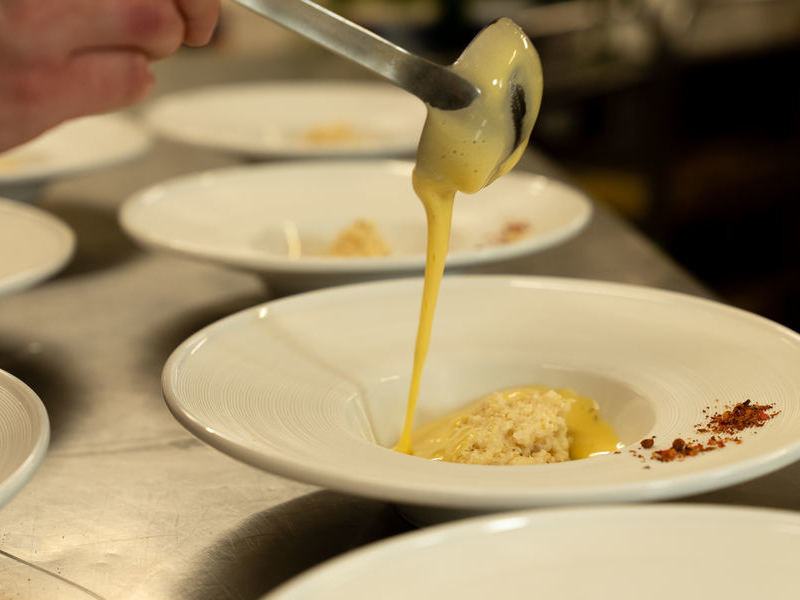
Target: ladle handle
{"points": [[432, 83]]}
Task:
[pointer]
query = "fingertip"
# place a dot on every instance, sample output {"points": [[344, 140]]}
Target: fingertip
{"points": [[198, 38], [201, 18]]}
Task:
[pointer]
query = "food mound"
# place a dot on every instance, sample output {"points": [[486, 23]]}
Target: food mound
{"points": [[331, 133], [362, 238], [523, 426]]}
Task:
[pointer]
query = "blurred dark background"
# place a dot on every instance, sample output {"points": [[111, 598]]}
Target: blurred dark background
{"points": [[681, 115]]}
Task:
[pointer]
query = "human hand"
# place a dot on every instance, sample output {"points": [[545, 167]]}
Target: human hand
{"points": [[67, 58]]}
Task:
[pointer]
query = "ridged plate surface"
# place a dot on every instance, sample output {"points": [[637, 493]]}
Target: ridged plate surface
{"points": [[24, 435], [314, 387]]}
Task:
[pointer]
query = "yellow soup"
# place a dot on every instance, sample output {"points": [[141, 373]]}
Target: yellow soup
{"points": [[465, 150], [518, 426]]}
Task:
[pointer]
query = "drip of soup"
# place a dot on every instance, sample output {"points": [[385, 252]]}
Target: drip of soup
{"points": [[465, 150]]}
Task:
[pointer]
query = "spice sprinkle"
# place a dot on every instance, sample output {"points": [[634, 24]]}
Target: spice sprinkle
{"points": [[723, 425]]}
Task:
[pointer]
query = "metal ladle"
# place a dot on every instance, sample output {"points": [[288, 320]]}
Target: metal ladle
{"points": [[433, 84]]}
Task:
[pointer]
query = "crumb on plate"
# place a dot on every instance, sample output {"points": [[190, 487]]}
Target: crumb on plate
{"points": [[361, 238]]}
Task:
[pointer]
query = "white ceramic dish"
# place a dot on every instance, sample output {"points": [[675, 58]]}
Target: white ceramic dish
{"points": [[33, 245], [24, 435], [250, 217], [293, 119], [73, 147], [605, 553], [314, 387]]}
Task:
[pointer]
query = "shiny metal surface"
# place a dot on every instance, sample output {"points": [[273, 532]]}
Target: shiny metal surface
{"points": [[430, 82], [128, 505]]}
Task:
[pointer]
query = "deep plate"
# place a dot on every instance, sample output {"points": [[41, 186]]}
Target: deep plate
{"points": [[265, 120], [33, 245], [24, 435], [608, 553], [245, 217], [314, 387], [74, 147]]}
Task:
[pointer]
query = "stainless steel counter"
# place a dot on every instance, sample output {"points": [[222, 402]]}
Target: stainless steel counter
{"points": [[129, 505]]}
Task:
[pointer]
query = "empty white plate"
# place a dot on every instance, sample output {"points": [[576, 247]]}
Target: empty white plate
{"points": [[609, 553], [293, 119], [24, 435], [314, 387], [278, 220], [33, 245], [73, 147]]}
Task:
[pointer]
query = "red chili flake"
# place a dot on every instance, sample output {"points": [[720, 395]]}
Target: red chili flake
{"points": [[742, 416], [647, 443], [678, 450], [723, 426], [512, 231]]}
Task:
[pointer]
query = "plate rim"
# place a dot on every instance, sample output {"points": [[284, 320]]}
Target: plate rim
{"points": [[259, 151], [139, 142], [15, 481], [440, 495], [60, 229], [334, 266], [488, 525]]}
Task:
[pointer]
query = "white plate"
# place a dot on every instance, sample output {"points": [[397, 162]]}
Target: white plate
{"points": [[73, 147], [24, 435], [609, 553], [33, 245], [280, 119], [314, 387], [244, 217]]}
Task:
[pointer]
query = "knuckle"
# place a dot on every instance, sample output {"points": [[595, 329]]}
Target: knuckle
{"points": [[158, 24]]}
